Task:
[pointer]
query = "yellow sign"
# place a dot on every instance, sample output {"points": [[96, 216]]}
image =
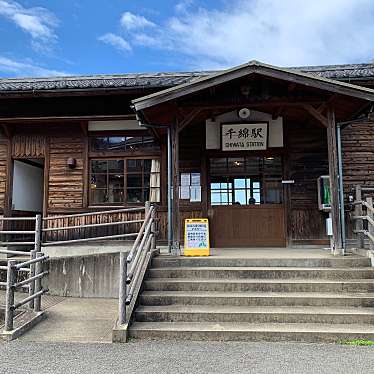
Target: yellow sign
{"points": [[196, 237]]}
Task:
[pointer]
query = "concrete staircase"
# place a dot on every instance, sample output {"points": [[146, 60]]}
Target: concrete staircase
{"points": [[275, 299]]}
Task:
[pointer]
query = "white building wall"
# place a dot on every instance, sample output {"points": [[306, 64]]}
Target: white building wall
{"points": [[27, 187]]}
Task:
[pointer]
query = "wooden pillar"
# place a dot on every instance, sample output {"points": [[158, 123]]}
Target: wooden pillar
{"points": [[175, 178], [334, 181]]}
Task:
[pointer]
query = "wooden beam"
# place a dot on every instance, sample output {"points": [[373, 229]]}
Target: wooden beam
{"points": [[316, 114], [334, 181], [278, 112], [53, 119], [291, 87], [188, 119], [252, 100], [6, 130], [326, 104], [84, 128]]}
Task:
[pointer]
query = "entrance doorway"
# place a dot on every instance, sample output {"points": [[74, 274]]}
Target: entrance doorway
{"points": [[28, 186], [246, 199]]}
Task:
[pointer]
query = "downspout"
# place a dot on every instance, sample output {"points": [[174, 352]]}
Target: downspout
{"points": [[170, 176], [341, 187]]}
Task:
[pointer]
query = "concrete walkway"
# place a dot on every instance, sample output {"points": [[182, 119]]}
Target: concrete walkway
{"points": [[74, 320], [77, 320]]}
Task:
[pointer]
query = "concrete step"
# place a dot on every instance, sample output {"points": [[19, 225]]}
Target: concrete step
{"points": [[265, 285], [261, 273], [254, 314], [250, 332], [257, 298], [339, 262]]}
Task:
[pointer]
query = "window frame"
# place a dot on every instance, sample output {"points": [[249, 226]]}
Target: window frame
{"points": [[125, 173], [263, 177], [123, 153]]}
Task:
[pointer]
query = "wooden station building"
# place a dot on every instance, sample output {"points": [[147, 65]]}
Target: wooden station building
{"points": [[243, 147]]}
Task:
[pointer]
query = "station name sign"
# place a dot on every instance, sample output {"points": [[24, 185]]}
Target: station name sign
{"points": [[244, 136]]}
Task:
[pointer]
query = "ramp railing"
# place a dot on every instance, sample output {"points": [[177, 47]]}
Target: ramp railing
{"points": [[363, 217], [9, 240], [13, 283], [134, 263]]}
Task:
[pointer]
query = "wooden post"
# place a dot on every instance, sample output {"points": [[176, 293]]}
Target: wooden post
{"points": [[334, 181], [369, 201], [32, 273], [9, 297], [175, 210], [38, 283], [122, 288], [359, 225]]}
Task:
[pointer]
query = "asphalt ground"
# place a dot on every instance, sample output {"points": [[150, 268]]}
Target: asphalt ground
{"points": [[183, 357]]}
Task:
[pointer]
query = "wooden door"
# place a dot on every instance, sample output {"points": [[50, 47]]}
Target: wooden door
{"points": [[248, 226]]}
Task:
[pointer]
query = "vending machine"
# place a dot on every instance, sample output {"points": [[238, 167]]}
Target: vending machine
{"points": [[324, 201]]}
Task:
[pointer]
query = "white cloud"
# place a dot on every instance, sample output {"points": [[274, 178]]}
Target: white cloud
{"points": [[130, 21], [183, 5], [26, 68], [116, 41], [38, 22], [278, 32]]}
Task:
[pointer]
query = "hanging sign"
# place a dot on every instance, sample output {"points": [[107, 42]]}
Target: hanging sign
{"points": [[196, 237], [244, 136]]}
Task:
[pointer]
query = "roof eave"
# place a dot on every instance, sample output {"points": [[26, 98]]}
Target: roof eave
{"points": [[252, 68]]}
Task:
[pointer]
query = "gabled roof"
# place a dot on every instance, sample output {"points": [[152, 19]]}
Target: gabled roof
{"points": [[350, 72], [254, 67]]}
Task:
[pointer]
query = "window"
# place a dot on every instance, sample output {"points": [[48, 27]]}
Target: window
{"points": [[246, 180], [122, 143], [124, 181]]}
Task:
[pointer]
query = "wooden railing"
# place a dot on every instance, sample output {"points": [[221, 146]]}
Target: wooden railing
{"points": [[84, 229], [363, 217], [134, 263]]}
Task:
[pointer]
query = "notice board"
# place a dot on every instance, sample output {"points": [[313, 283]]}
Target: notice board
{"points": [[196, 237]]}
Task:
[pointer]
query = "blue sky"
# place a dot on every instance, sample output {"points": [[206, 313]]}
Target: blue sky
{"points": [[69, 37]]}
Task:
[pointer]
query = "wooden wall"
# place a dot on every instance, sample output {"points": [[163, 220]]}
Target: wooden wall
{"points": [[358, 155], [305, 160], [358, 161], [4, 172], [65, 185], [28, 146]]}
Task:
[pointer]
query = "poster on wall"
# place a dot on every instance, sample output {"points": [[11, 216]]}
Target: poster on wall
{"points": [[244, 136]]}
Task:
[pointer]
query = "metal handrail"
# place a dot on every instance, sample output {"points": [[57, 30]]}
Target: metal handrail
{"points": [[136, 243], [17, 218], [33, 283], [132, 265]]}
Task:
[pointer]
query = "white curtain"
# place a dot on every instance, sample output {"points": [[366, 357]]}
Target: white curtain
{"points": [[155, 182]]}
